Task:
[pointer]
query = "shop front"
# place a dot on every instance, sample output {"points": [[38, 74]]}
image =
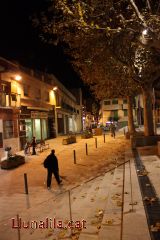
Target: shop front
{"points": [[33, 124]]}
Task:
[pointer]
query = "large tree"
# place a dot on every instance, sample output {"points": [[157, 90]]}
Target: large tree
{"points": [[113, 44]]}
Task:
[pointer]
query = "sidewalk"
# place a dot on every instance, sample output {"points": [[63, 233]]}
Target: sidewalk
{"points": [[87, 201]]}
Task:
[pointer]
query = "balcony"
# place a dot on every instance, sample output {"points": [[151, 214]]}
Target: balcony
{"points": [[115, 107], [9, 100]]}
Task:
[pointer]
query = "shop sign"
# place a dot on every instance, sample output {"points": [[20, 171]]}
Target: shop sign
{"points": [[39, 114]]}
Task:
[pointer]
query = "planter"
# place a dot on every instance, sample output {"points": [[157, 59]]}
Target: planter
{"points": [[69, 140], [97, 131], [13, 162], [86, 135]]}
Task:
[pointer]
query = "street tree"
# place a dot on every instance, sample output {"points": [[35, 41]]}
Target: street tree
{"points": [[114, 37]]}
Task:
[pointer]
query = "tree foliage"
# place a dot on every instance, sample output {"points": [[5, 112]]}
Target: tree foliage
{"points": [[114, 45]]}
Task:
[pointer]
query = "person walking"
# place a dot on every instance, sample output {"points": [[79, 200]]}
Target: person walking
{"points": [[26, 148], [113, 130], [51, 163], [33, 144]]}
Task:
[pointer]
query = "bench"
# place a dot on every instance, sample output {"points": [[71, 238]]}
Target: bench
{"points": [[44, 146], [40, 147]]}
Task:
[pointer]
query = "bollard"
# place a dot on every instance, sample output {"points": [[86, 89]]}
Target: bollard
{"points": [[25, 183], [74, 155], [86, 149], [96, 142], [104, 138]]}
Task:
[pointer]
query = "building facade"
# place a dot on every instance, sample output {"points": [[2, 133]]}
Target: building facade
{"points": [[114, 110], [117, 110], [34, 104]]}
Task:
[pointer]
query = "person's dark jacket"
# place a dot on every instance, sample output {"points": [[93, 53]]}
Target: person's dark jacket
{"points": [[51, 162]]}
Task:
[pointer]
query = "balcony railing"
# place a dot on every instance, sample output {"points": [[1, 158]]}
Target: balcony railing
{"points": [[9, 100], [115, 107]]}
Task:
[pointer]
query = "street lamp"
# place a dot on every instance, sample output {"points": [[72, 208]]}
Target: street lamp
{"points": [[18, 77], [154, 112], [55, 109], [146, 36], [55, 88], [145, 32]]}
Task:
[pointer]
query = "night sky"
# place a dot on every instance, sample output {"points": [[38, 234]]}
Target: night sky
{"points": [[19, 41]]}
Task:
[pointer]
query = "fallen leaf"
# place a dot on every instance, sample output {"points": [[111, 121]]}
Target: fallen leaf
{"points": [[98, 226], [94, 221], [109, 221], [155, 227], [62, 234]]}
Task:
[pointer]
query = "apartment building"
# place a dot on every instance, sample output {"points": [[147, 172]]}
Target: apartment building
{"points": [[114, 110], [34, 104], [117, 110]]}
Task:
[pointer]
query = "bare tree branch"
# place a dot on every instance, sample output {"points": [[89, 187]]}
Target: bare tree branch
{"points": [[139, 15], [149, 6]]}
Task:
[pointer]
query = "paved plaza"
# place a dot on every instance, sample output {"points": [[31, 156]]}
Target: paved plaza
{"points": [[94, 191]]}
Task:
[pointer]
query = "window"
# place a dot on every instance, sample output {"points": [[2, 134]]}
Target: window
{"points": [[58, 100], [2, 99], [124, 101], [46, 96], [115, 101], [114, 115], [38, 94], [125, 112], [8, 129], [14, 97], [107, 102], [26, 90]]}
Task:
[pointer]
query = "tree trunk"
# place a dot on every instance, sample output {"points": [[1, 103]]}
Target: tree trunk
{"points": [[131, 127], [148, 112]]}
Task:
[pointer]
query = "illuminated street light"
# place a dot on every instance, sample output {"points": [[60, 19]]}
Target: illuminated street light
{"points": [[145, 32], [146, 36], [55, 109], [55, 88], [18, 77]]}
